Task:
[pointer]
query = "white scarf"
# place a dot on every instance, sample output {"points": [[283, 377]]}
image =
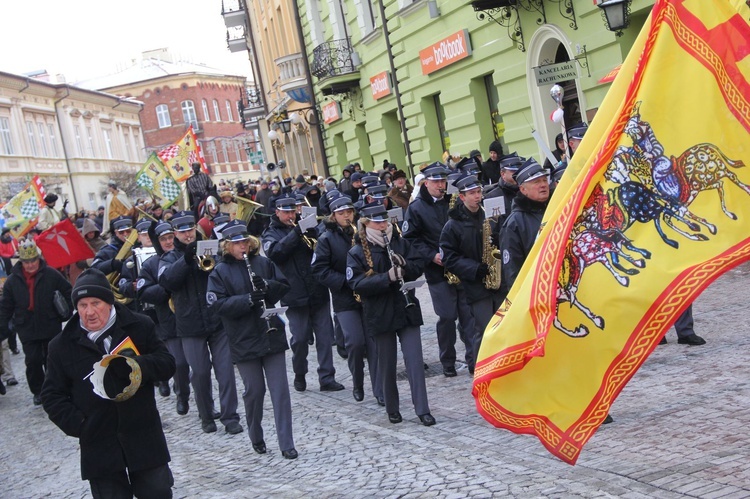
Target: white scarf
{"points": [[94, 335]]}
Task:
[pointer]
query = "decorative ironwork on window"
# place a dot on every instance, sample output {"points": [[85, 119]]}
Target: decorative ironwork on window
{"points": [[332, 59]]}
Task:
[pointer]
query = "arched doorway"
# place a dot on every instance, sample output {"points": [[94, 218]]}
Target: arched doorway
{"points": [[550, 45]]}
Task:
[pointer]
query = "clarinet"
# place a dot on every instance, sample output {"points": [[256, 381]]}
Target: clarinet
{"points": [[389, 250], [270, 329]]}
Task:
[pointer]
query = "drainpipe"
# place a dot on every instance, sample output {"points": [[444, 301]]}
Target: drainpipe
{"points": [[310, 90], [396, 90], [65, 149]]}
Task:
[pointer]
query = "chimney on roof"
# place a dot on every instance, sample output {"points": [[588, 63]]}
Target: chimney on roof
{"points": [[161, 54]]}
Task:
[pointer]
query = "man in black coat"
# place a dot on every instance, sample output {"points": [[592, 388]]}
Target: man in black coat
{"points": [[423, 223], [519, 232], [27, 299], [123, 449], [105, 259], [462, 246], [308, 300], [203, 339]]}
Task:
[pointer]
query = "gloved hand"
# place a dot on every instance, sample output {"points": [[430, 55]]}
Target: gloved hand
{"points": [[312, 233], [117, 265], [65, 204], [482, 271], [395, 273], [398, 260], [190, 250], [298, 230], [259, 283], [495, 240], [116, 377], [257, 296]]}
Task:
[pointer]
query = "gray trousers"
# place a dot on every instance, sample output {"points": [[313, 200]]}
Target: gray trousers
{"points": [[483, 310], [360, 346], [449, 303], [182, 372], [301, 320], [338, 333], [6, 369], [252, 373], [684, 323], [411, 349], [197, 354]]}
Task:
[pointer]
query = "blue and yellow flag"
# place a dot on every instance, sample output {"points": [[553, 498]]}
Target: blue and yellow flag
{"points": [[654, 206]]}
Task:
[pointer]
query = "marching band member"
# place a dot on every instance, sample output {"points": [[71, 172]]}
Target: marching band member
{"points": [[238, 290], [423, 223], [462, 246], [105, 260], [376, 268], [150, 292], [204, 341], [329, 267], [129, 274], [308, 301]]}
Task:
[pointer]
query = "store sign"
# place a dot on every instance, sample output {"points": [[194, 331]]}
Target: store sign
{"points": [[331, 112], [445, 52], [554, 73], [380, 84]]}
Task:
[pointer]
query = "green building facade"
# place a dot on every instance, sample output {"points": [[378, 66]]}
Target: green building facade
{"points": [[464, 73]]}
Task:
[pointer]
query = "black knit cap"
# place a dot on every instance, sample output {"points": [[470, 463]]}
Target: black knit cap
{"points": [[92, 283]]}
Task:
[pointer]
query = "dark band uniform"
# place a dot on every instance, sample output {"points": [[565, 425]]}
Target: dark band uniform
{"points": [[423, 223], [149, 291], [462, 245], [519, 232], [254, 350], [105, 258], [204, 341], [308, 301], [386, 314], [329, 267]]}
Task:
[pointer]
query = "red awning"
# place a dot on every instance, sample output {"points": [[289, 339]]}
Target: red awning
{"points": [[611, 75]]}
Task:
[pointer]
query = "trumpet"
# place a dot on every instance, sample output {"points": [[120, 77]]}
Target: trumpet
{"points": [[270, 328], [309, 241], [206, 262]]}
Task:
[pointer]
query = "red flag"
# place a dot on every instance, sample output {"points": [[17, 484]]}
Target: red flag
{"points": [[62, 245]]}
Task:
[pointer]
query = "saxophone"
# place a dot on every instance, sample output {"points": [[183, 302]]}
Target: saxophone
{"points": [[450, 276], [490, 256], [114, 278]]}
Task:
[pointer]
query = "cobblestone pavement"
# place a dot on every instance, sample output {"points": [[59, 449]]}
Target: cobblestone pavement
{"points": [[680, 430]]}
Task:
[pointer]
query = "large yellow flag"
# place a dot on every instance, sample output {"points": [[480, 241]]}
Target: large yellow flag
{"points": [[655, 205], [22, 211]]}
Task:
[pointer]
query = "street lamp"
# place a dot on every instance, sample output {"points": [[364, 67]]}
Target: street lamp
{"points": [[285, 125], [616, 14]]}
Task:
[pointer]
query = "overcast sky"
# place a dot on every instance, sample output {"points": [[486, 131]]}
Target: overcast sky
{"points": [[86, 39]]}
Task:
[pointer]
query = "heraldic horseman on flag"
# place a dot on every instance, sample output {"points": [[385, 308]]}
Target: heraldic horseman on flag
{"points": [[654, 206]]}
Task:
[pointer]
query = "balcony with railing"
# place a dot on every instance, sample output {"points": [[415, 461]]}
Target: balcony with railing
{"points": [[251, 106], [334, 66], [292, 77], [233, 12], [236, 40]]}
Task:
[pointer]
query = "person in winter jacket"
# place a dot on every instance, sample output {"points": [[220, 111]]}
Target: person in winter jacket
{"points": [[204, 341], [376, 269], [308, 301], [423, 223], [239, 292], [28, 295], [462, 245], [329, 267], [150, 293], [519, 232], [8, 249], [123, 448]]}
